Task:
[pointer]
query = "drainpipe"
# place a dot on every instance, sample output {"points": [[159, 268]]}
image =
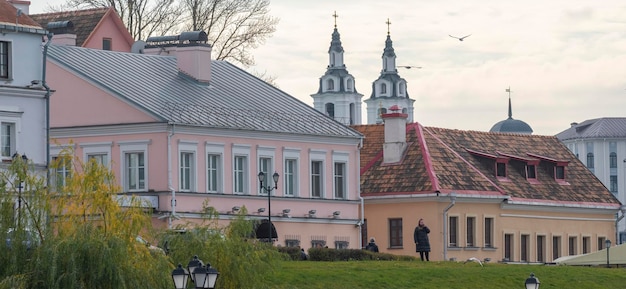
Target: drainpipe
{"points": [[445, 225], [169, 175], [358, 177], [47, 98], [618, 218]]}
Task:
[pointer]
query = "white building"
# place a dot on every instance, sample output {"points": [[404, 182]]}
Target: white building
{"points": [[600, 144], [23, 92]]}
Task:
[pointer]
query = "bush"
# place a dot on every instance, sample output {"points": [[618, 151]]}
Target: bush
{"points": [[326, 254]]}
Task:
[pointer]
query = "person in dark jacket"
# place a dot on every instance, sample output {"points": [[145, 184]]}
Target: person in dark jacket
{"points": [[371, 246], [420, 236]]}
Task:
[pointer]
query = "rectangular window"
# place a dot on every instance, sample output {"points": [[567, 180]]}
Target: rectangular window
{"points": [[586, 245], [106, 43], [453, 223], [135, 171], [265, 166], [531, 172], [601, 245], [5, 59], [541, 248], [501, 170], [316, 179], [101, 159], [186, 178], [471, 232], [340, 180], [524, 248], [395, 233], [239, 174], [61, 171], [489, 232], [613, 184], [573, 244], [291, 172], [214, 173], [556, 247], [7, 139], [559, 172], [508, 247]]}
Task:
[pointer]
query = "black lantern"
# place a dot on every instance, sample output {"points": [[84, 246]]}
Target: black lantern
{"points": [[532, 282], [607, 244], [180, 277], [202, 276]]}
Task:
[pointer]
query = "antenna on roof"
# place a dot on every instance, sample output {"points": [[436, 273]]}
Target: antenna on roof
{"points": [[19, 13], [138, 47]]}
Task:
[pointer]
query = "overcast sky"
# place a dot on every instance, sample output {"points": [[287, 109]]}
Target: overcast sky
{"points": [[565, 60]]}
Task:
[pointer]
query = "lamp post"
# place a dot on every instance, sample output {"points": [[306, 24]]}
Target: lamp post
{"points": [[607, 244], [268, 189], [202, 276], [24, 158], [532, 282]]}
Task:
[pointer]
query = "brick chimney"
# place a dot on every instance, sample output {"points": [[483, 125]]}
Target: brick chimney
{"points": [[395, 134]]}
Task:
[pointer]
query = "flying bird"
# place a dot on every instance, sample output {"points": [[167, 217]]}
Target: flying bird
{"points": [[460, 38], [473, 259]]}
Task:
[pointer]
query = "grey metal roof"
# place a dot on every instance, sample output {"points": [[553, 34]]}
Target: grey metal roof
{"points": [[234, 99], [606, 127], [511, 125]]}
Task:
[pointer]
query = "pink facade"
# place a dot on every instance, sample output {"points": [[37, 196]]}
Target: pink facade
{"points": [[317, 199]]}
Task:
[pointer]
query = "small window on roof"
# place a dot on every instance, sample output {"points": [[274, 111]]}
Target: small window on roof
{"points": [[501, 170], [559, 172], [531, 172], [350, 84], [330, 85]]}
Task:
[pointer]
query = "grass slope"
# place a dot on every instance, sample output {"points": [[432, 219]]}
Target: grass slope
{"points": [[417, 274]]}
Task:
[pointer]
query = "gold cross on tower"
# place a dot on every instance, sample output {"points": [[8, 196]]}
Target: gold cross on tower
{"points": [[335, 15], [388, 23]]}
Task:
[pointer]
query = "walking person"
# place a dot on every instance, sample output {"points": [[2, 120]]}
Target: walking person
{"points": [[420, 236]]}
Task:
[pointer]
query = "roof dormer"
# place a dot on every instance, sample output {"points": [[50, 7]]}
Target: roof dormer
{"points": [[530, 166], [500, 163], [557, 168]]}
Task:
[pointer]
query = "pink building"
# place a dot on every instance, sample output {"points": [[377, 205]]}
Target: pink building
{"points": [[99, 28], [183, 130]]}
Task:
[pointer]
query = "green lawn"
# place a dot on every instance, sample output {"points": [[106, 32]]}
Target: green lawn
{"points": [[417, 274]]}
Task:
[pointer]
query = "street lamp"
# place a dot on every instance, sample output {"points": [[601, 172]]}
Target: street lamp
{"points": [[532, 282], [607, 244], [202, 276], [24, 158], [268, 189]]}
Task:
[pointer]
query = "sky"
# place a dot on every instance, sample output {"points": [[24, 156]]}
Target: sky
{"points": [[564, 60]]}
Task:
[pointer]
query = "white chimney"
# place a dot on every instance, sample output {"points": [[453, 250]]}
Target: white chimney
{"points": [[195, 61], [395, 134], [64, 39]]}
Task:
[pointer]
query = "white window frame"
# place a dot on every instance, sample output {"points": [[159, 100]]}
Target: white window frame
{"points": [[136, 146], [55, 151], [214, 149], [342, 158], [97, 148], [266, 154], [317, 156], [291, 155], [188, 147], [241, 151], [12, 115]]}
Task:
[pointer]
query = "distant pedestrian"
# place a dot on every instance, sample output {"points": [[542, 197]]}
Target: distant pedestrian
{"points": [[420, 236], [371, 246], [303, 255]]}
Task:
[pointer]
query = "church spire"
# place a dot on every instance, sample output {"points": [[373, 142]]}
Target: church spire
{"points": [[389, 55], [335, 51], [510, 109], [337, 96]]}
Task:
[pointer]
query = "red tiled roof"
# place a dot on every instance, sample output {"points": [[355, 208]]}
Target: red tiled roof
{"points": [[85, 21], [437, 159], [8, 14]]}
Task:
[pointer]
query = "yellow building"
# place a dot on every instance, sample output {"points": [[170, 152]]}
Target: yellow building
{"points": [[496, 196]]}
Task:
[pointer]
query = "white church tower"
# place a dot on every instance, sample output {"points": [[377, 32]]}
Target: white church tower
{"points": [[337, 96], [389, 89]]}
